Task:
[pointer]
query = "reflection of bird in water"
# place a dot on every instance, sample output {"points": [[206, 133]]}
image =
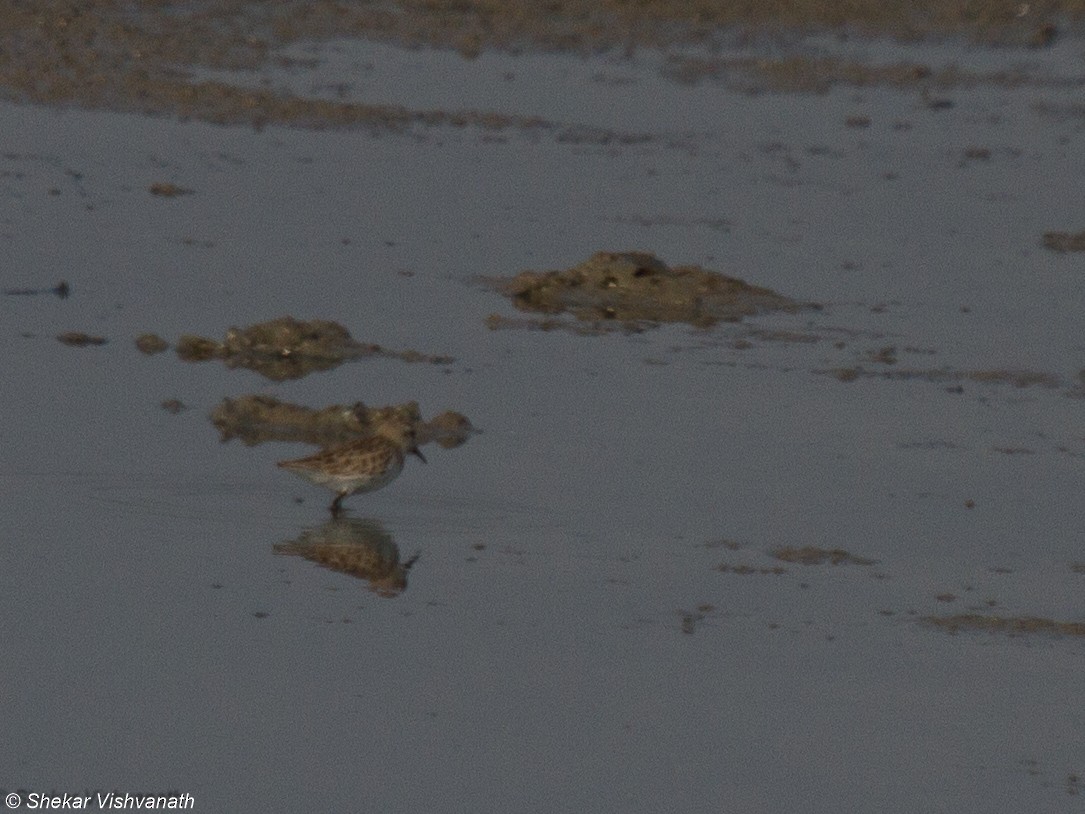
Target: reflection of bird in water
{"points": [[359, 466], [358, 547]]}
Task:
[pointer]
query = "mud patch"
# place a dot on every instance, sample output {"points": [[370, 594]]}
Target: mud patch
{"points": [[1017, 378], [287, 348], [1065, 241], [1009, 625], [78, 339], [256, 419], [747, 570], [151, 344], [810, 555], [631, 289], [165, 189]]}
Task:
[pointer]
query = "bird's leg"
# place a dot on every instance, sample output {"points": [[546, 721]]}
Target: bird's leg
{"points": [[337, 505]]}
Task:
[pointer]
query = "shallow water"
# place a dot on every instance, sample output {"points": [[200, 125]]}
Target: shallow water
{"points": [[567, 639]]}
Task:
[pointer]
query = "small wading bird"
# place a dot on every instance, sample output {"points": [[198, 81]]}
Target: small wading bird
{"points": [[359, 466]]}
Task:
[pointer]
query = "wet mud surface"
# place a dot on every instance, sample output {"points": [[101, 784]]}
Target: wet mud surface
{"points": [[108, 54], [745, 561]]}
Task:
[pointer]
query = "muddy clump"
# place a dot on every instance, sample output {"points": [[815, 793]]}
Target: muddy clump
{"points": [[628, 288], [164, 189], [78, 339], [288, 348], [448, 430], [256, 419], [150, 344], [356, 547], [810, 555]]}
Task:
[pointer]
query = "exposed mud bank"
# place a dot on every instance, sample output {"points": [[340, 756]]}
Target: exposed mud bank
{"points": [[624, 289], [256, 419], [120, 56], [283, 348]]}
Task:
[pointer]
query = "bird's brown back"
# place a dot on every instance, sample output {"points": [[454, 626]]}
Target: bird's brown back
{"points": [[373, 454]]}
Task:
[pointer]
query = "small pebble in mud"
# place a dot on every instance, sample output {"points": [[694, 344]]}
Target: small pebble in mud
{"points": [[934, 102], [78, 339], [885, 356], [151, 344], [858, 122], [167, 190], [173, 406]]}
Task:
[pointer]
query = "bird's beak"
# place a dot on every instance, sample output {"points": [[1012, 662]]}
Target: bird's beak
{"points": [[418, 452]]}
